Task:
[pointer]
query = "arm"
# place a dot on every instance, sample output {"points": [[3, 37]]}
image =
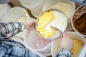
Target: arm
{"points": [[64, 53], [10, 29]]}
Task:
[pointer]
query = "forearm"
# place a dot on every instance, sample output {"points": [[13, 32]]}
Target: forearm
{"points": [[64, 53], [10, 29]]}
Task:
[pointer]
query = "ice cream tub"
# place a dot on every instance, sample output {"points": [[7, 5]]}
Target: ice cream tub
{"points": [[51, 23], [79, 21], [78, 44]]}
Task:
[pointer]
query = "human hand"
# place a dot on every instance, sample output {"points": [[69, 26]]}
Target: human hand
{"points": [[67, 43]]}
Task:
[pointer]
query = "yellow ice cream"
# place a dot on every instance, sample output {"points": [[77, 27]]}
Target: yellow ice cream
{"points": [[43, 21], [50, 19]]}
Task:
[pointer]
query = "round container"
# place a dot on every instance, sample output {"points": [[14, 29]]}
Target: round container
{"points": [[30, 40], [34, 5], [77, 14], [55, 26], [56, 43], [49, 3]]}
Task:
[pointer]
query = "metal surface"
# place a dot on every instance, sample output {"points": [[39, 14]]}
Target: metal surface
{"points": [[4, 1]]}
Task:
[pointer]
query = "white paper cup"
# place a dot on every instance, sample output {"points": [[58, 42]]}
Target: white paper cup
{"points": [[29, 40], [55, 26], [78, 13], [49, 3], [56, 43], [34, 5]]}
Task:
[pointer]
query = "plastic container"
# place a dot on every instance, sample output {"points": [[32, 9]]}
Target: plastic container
{"points": [[56, 43], [57, 27], [34, 5], [49, 3], [30, 40], [78, 14]]}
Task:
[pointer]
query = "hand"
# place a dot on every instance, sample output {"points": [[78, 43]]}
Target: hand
{"points": [[30, 25], [66, 42]]}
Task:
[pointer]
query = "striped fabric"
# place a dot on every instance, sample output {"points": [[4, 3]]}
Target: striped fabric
{"points": [[10, 29]]}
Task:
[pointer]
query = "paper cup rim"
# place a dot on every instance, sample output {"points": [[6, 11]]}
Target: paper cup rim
{"points": [[52, 10], [82, 35]]}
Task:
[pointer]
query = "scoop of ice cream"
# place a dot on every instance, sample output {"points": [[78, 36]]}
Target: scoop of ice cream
{"points": [[67, 43]]}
